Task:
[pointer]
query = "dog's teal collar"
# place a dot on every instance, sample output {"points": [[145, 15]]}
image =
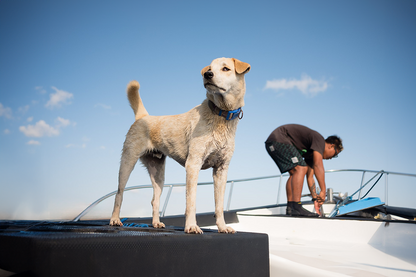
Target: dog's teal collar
{"points": [[228, 115]]}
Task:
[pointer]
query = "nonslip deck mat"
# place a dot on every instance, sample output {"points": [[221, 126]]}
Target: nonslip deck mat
{"points": [[54, 249]]}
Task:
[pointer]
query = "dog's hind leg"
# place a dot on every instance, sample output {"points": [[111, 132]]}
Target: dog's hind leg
{"points": [[220, 181], [129, 159], [155, 164]]}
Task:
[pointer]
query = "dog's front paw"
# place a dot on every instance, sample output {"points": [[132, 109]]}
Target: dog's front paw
{"points": [[116, 222], [158, 225], [226, 229], [193, 229]]}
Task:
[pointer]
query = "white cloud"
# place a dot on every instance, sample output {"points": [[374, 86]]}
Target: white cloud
{"points": [[43, 129], [30, 119], [63, 122], [40, 89], [306, 85], [24, 109], [40, 129], [58, 98], [7, 131], [71, 145], [5, 111], [33, 142], [104, 106]]}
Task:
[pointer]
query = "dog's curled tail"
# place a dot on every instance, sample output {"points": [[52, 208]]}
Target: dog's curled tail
{"points": [[135, 100]]}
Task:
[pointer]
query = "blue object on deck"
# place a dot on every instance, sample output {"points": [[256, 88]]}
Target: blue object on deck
{"points": [[359, 205]]}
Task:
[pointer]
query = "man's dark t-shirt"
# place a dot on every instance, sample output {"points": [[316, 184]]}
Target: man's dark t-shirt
{"points": [[304, 139]]}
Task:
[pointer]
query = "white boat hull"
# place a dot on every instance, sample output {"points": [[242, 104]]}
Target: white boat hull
{"points": [[334, 247]]}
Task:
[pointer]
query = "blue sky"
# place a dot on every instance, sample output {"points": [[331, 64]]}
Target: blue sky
{"points": [[339, 67]]}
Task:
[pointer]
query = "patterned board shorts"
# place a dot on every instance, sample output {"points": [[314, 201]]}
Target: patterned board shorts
{"points": [[286, 156]]}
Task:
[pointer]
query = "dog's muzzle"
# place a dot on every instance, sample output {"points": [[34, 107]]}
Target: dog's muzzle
{"points": [[208, 77]]}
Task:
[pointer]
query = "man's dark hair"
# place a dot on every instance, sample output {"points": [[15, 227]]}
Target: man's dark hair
{"points": [[337, 141]]}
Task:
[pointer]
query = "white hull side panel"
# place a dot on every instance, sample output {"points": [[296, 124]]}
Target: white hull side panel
{"points": [[325, 247]]}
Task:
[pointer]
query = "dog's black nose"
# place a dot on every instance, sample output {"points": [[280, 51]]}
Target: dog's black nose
{"points": [[208, 75]]}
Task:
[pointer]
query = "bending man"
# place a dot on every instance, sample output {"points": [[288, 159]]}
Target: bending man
{"points": [[297, 149]]}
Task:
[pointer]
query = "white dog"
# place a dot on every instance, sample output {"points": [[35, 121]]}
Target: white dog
{"points": [[198, 139]]}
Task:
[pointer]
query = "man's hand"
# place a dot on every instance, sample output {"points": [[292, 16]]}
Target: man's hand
{"points": [[317, 207], [320, 198]]}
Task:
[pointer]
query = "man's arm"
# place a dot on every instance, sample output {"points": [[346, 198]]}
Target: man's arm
{"points": [[318, 167], [311, 182], [312, 188]]}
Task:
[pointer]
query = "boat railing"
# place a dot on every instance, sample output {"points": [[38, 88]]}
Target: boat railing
{"points": [[231, 183]]}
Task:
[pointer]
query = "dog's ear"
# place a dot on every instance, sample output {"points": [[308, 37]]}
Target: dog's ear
{"points": [[205, 69], [241, 67]]}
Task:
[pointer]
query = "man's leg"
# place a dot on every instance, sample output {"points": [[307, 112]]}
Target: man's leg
{"points": [[297, 175], [289, 194], [294, 186]]}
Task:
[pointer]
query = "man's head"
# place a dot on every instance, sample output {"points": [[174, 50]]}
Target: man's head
{"points": [[333, 146]]}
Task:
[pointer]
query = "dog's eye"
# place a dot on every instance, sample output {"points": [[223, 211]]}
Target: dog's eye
{"points": [[225, 69]]}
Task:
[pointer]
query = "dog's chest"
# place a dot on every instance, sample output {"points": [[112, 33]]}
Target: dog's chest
{"points": [[221, 146], [218, 157]]}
